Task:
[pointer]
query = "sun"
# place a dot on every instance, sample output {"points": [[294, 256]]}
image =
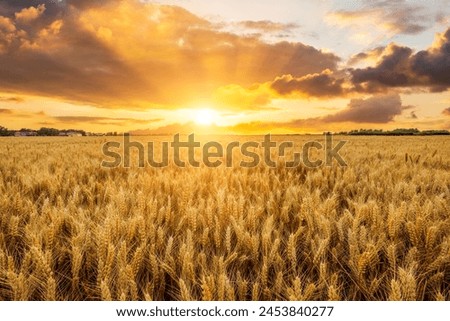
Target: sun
{"points": [[206, 116]]}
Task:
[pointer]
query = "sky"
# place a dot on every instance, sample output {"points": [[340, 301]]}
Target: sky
{"points": [[240, 67]]}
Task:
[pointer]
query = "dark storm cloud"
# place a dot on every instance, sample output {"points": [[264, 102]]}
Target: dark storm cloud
{"points": [[400, 67], [375, 110], [434, 63], [393, 70]]}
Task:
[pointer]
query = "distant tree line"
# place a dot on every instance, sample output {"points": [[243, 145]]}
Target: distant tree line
{"points": [[5, 132], [41, 132], [395, 132]]}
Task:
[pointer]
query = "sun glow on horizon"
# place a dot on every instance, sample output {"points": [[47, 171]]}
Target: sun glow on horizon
{"points": [[206, 116]]}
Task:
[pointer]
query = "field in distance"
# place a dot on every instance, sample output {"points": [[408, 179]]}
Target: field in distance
{"points": [[376, 229]]}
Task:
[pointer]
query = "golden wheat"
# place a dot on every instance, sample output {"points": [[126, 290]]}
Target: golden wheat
{"points": [[378, 229]]}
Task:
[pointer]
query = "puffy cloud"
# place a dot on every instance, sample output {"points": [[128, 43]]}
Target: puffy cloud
{"points": [[27, 15], [434, 63], [400, 67], [374, 110], [322, 84], [7, 33], [393, 70], [129, 54]]}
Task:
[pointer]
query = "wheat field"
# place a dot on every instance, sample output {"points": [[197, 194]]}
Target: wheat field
{"points": [[378, 229]]}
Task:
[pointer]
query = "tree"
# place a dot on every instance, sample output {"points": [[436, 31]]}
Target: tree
{"points": [[5, 132], [48, 132]]}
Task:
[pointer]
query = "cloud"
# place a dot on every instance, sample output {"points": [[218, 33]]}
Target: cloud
{"points": [[413, 115], [326, 84], [129, 54], [403, 21], [393, 70], [184, 129], [267, 26], [47, 120], [375, 110], [442, 18], [371, 55], [379, 109], [102, 120], [27, 15], [391, 17], [400, 67], [317, 85], [396, 67], [434, 63], [12, 99], [12, 7], [269, 126], [446, 112]]}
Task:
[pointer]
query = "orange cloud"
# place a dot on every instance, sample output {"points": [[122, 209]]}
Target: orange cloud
{"points": [[370, 56], [12, 99], [129, 54], [27, 15]]}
